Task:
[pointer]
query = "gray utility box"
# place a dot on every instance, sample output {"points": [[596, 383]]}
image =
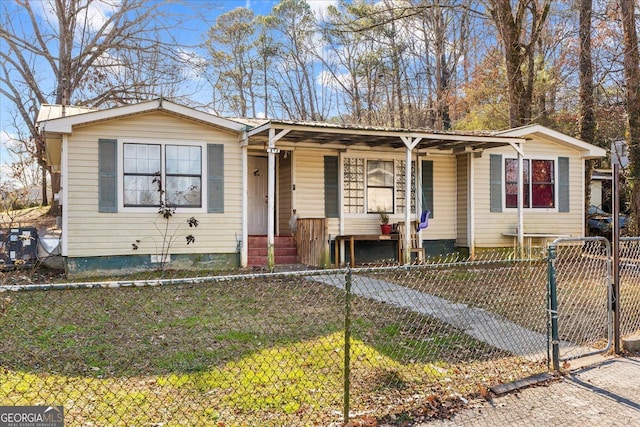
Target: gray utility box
{"points": [[18, 247]]}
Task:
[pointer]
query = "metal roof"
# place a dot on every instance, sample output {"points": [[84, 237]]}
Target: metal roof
{"points": [[350, 136]]}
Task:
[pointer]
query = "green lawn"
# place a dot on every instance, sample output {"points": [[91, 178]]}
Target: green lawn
{"points": [[267, 351]]}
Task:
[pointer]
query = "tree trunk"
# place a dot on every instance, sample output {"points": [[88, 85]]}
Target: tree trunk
{"points": [[45, 199], [55, 209], [587, 112], [519, 53], [632, 80]]}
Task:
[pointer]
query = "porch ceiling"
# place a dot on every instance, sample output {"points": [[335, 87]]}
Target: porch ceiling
{"points": [[342, 136]]}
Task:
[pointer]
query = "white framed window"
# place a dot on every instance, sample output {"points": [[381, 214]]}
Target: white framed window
{"points": [[370, 186], [380, 186], [183, 176], [155, 173]]}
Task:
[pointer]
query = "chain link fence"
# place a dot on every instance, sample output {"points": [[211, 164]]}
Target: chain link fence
{"points": [[629, 271], [381, 345], [582, 296]]}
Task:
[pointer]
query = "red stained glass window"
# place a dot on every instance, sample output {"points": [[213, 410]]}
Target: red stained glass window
{"points": [[538, 183]]}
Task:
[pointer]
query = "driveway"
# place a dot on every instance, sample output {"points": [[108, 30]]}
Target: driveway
{"points": [[604, 394]]}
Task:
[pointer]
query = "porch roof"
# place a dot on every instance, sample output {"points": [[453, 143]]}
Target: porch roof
{"points": [[338, 136]]}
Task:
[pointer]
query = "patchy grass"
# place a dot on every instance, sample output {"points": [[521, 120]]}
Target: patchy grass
{"points": [[242, 352], [515, 290]]}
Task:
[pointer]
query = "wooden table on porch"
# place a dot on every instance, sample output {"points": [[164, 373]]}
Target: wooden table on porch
{"points": [[352, 238]]}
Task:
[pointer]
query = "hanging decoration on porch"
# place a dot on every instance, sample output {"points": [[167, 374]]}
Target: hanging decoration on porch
{"points": [[424, 220]]}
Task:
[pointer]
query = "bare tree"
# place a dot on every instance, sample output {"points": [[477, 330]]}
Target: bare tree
{"points": [[232, 49], [632, 85], [520, 29], [587, 107], [294, 87], [85, 52], [443, 29]]}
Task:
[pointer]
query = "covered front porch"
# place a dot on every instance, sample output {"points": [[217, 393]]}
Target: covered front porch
{"points": [[340, 178]]}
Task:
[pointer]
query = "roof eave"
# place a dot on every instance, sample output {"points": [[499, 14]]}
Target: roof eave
{"points": [[586, 150], [64, 125]]}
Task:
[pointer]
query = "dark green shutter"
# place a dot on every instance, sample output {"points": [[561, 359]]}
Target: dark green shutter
{"points": [[107, 175], [331, 196], [215, 178], [495, 177], [427, 186], [563, 184]]}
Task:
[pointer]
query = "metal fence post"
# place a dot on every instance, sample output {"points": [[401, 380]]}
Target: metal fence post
{"points": [[615, 243], [553, 307], [347, 344]]}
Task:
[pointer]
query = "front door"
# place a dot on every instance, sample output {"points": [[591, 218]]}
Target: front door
{"points": [[258, 180]]}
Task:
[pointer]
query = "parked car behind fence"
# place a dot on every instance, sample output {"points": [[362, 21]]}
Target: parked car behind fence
{"points": [[600, 223]]}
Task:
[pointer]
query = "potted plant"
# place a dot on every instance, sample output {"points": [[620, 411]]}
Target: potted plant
{"points": [[385, 227]]}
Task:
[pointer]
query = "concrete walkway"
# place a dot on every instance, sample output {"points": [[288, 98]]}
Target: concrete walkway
{"points": [[475, 322], [604, 394]]}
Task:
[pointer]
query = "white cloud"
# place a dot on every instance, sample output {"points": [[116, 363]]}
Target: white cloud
{"points": [[5, 158], [94, 15], [196, 64], [335, 82], [5, 140], [320, 6]]}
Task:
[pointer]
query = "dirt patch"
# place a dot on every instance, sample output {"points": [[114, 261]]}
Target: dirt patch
{"points": [[31, 217]]}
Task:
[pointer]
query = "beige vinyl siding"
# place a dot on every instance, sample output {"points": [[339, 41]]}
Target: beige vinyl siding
{"points": [[309, 180], [91, 233], [490, 226], [443, 223], [284, 193], [441, 226], [462, 162]]}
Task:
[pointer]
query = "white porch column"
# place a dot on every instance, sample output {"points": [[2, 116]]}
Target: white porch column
{"points": [[520, 203], [244, 249], [471, 203], [64, 196], [271, 194], [342, 258], [520, 232], [410, 144]]}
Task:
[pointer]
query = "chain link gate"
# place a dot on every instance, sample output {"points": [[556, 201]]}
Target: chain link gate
{"points": [[579, 298], [629, 276]]}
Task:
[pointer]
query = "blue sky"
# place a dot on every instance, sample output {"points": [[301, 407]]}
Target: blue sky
{"points": [[194, 34]]}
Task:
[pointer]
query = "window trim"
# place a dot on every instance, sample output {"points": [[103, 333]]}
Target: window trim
{"points": [[392, 187], [163, 143], [183, 175], [555, 183], [375, 157], [152, 175]]}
